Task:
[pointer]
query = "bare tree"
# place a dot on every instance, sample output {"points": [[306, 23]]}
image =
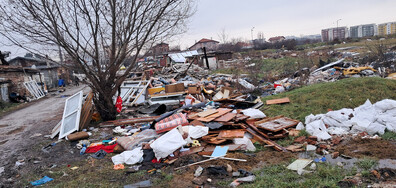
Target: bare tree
{"points": [[99, 35], [223, 36]]}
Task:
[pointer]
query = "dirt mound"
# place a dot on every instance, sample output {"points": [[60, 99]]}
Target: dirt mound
{"points": [[381, 149]]}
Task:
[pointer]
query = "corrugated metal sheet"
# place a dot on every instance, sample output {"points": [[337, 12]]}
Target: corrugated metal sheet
{"points": [[181, 57]]}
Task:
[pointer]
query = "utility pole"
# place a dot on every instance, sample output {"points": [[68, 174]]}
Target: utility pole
{"points": [[338, 33]]}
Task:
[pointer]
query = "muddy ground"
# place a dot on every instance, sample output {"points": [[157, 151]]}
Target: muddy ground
{"points": [[376, 148], [22, 136]]}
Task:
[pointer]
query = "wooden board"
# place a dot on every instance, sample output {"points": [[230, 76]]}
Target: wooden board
{"points": [[207, 112], [278, 101], [86, 111], [226, 118], [220, 112], [276, 124], [231, 134]]}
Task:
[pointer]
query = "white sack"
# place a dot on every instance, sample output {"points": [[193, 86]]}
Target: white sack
{"points": [[167, 143], [197, 131], [253, 113], [129, 157]]}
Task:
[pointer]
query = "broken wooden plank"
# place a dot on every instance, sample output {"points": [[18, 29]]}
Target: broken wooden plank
{"points": [[276, 124], [55, 131], [128, 121], [207, 112], [220, 112], [86, 111], [231, 134], [261, 139], [226, 118], [278, 101]]}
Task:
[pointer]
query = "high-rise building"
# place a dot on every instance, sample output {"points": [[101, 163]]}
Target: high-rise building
{"points": [[387, 28], [367, 30], [331, 34]]}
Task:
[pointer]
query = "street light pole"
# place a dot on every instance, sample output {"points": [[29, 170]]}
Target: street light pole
{"points": [[338, 32]]}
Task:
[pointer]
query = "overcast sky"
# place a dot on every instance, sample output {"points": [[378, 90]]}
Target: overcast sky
{"points": [[275, 18], [281, 17]]}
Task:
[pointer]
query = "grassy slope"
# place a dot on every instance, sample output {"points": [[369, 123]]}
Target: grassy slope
{"points": [[318, 98]]}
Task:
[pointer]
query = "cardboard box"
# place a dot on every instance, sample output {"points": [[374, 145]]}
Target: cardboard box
{"points": [[172, 88], [194, 90], [154, 90]]}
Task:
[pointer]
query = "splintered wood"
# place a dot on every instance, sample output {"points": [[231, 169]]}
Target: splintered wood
{"points": [[276, 124]]}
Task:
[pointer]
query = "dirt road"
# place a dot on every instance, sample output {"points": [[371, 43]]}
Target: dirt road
{"points": [[24, 128]]}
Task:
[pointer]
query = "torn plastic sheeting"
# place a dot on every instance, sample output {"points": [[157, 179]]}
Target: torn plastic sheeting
{"points": [[389, 121], [385, 105], [167, 143], [129, 157], [311, 118], [318, 129], [338, 130], [254, 113], [300, 126]]}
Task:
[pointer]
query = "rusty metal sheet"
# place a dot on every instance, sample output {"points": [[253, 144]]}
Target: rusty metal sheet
{"points": [[226, 118], [276, 124], [278, 101], [220, 112], [231, 134]]}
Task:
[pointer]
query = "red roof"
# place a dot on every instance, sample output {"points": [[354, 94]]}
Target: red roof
{"points": [[276, 38], [206, 40]]}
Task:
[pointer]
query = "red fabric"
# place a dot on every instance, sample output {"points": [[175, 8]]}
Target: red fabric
{"points": [[107, 149], [119, 104], [276, 85]]}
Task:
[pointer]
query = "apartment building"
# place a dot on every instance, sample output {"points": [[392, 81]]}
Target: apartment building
{"points": [[331, 34], [367, 30], [387, 28]]}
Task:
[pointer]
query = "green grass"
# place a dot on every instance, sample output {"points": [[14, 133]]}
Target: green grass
{"points": [[303, 133], [279, 176], [318, 98], [366, 163], [7, 106], [281, 66], [389, 135]]}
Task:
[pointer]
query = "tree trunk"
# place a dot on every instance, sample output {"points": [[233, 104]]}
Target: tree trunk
{"points": [[105, 106]]}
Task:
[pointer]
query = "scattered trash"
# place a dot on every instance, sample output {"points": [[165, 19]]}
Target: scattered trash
{"points": [[198, 172], [299, 164], [41, 181]]}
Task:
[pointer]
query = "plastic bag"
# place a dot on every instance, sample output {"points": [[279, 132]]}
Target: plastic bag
{"points": [[167, 143]]}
